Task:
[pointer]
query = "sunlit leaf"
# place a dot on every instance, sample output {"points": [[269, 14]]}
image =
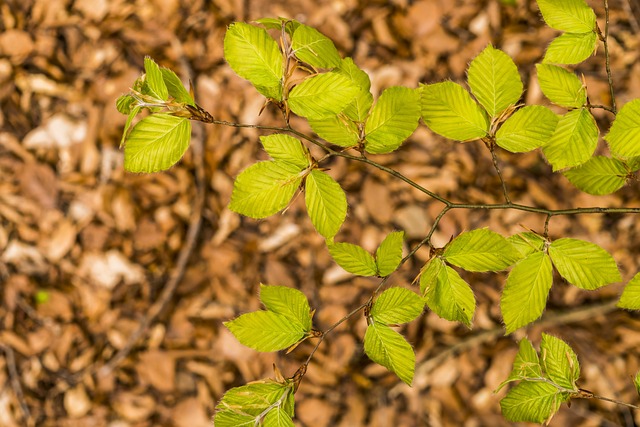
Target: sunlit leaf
{"points": [[624, 135], [326, 203], [388, 348], [574, 140], [574, 16], [396, 306], [599, 175], [527, 129], [561, 86], [559, 361], [571, 48], [583, 264]]}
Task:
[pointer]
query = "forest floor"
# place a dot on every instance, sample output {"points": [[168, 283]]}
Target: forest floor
{"points": [[91, 256]]}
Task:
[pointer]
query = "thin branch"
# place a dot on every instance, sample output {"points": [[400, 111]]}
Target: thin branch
{"points": [[616, 401], [604, 38], [602, 107], [496, 166], [15, 384]]}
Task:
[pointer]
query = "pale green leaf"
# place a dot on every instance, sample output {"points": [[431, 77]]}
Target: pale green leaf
{"points": [[124, 103], [389, 253], [156, 143], [527, 243], [256, 57], [289, 302], [630, 298], [561, 86], [636, 382], [322, 96], [277, 417], [449, 111], [583, 264], [326, 203], [633, 163], [392, 120], [624, 135], [534, 402], [429, 274], [527, 129], [358, 110], [571, 48], [266, 330], [314, 48], [574, 140], [574, 16], [132, 114], [525, 293], [285, 148], [338, 130], [449, 296], [480, 250], [494, 80], [526, 363], [231, 418], [388, 348], [247, 404], [396, 306], [264, 189], [153, 82], [559, 362], [353, 259], [599, 175], [175, 87]]}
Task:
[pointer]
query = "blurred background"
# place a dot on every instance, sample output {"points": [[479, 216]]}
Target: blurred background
{"points": [[114, 286]]}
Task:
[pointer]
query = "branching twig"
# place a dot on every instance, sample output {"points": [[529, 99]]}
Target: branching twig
{"points": [[604, 38], [496, 166], [14, 377]]}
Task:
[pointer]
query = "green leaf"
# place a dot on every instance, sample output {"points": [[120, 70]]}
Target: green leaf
{"points": [[527, 129], [353, 259], [132, 114], [636, 382], [583, 264], [287, 149], [574, 140], [314, 48], [526, 363], [153, 82], [326, 203], [494, 80], [396, 306], [264, 189], [389, 253], [527, 243], [559, 361], [573, 16], [534, 402], [449, 111], [322, 96], [266, 330], [624, 135], [448, 295], [525, 293], [599, 175], [123, 103], [246, 405], [571, 48], [633, 163], [393, 119], [630, 298], [388, 348], [561, 86], [358, 110], [175, 87], [480, 250], [277, 418], [288, 302], [256, 57], [156, 143], [290, 25], [337, 130]]}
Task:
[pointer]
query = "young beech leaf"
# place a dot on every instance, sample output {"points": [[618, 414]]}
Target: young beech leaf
{"points": [[624, 136], [636, 382], [527, 243], [125, 132], [290, 25], [494, 80], [525, 293], [525, 365], [449, 111], [358, 109], [574, 140], [389, 253], [353, 259], [124, 103], [531, 401], [632, 163], [559, 361], [561, 86], [277, 418], [396, 306], [392, 120], [630, 298], [573, 16], [314, 48], [527, 129], [289, 302], [287, 149], [446, 293], [480, 250], [338, 130], [266, 330], [388, 348], [326, 203], [250, 404], [153, 82], [583, 264], [571, 48], [175, 87], [156, 143], [322, 96], [264, 189], [256, 57], [599, 175]]}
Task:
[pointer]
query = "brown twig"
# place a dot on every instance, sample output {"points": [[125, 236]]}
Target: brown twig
{"points": [[604, 38], [14, 377]]}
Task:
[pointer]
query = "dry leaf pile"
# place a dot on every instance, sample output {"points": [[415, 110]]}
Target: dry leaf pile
{"points": [[87, 251]]}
